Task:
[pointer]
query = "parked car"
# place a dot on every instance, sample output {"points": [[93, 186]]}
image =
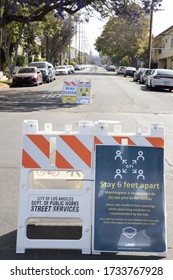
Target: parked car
{"points": [[70, 69], [160, 78], [27, 76], [61, 70], [138, 73], [144, 76], [78, 67], [110, 68], [129, 71], [120, 70], [45, 69], [52, 69]]}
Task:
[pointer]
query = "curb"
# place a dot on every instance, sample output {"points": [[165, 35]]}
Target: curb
{"points": [[4, 87]]}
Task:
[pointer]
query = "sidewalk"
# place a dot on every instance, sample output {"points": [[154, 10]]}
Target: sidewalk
{"points": [[3, 87]]}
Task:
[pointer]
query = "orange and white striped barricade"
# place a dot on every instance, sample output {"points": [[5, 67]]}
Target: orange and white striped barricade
{"points": [[69, 93], [55, 188], [84, 95], [129, 195]]}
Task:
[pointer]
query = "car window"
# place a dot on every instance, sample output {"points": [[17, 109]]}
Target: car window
{"points": [[152, 71], [39, 65], [27, 70], [165, 72], [61, 67]]}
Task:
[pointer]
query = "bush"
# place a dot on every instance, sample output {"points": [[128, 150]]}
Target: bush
{"points": [[21, 60]]}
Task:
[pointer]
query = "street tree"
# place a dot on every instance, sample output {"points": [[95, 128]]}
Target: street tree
{"points": [[57, 34], [12, 37], [122, 38], [25, 11]]}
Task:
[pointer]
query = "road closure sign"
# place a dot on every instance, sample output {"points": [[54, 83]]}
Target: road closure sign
{"points": [[77, 91], [84, 92], [69, 94], [129, 211]]}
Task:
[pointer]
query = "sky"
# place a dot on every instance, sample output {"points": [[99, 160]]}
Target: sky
{"points": [[162, 20]]}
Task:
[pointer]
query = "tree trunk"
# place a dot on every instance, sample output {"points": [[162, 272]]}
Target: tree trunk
{"points": [[11, 60]]}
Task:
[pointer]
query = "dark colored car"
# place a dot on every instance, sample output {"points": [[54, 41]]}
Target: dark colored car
{"points": [[27, 76], [77, 67], [138, 73], [45, 68], [129, 71]]}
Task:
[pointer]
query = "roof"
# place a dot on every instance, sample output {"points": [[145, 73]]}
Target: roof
{"points": [[165, 31]]}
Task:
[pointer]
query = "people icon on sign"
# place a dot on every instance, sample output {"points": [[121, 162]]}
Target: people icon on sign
{"points": [[118, 174], [118, 155], [140, 155], [140, 174]]}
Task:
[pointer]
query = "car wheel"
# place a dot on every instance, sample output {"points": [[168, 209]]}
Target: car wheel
{"points": [[151, 88], [147, 86]]}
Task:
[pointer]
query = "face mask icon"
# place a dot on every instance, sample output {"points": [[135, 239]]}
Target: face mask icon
{"points": [[129, 232]]}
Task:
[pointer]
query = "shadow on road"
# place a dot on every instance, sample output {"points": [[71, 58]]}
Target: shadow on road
{"points": [[28, 101], [8, 252]]}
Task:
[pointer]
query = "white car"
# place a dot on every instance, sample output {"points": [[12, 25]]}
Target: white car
{"points": [[160, 78], [120, 70], [61, 70], [70, 69], [144, 76]]}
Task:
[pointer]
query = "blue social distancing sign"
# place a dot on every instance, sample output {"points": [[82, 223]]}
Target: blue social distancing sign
{"points": [[129, 198]]}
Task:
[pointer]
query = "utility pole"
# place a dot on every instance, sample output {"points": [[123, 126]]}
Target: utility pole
{"points": [[0, 33], [150, 36]]}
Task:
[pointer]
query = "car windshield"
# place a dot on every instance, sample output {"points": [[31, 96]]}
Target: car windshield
{"points": [[39, 65], [27, 70], [165, 72], [61, 67]]}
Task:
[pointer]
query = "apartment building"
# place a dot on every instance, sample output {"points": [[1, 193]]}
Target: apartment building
{"points": [[162, 49]]}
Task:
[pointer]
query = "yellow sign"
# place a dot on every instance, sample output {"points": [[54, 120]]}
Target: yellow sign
{"points": [[69, 99]]}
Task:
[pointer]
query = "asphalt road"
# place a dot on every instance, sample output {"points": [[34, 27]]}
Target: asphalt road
{"points": [[114, 98]]}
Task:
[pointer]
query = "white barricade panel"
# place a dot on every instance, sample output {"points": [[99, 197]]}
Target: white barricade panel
{"points": [[55, 189], [55, 207]]}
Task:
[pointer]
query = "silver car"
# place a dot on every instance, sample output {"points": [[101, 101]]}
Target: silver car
{"points": [[144, 76]]}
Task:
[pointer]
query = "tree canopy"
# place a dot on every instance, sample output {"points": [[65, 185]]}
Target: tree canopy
{"points": [[25, 11], [121, 38]]}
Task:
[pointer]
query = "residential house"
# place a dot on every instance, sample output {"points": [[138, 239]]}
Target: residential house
{"points": [[162, 49]]}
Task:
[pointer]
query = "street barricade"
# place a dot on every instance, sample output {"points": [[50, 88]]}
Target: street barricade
{"points": [[93, 189], [55, 188], [84, 95], [69, 93], [77, 92]]}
